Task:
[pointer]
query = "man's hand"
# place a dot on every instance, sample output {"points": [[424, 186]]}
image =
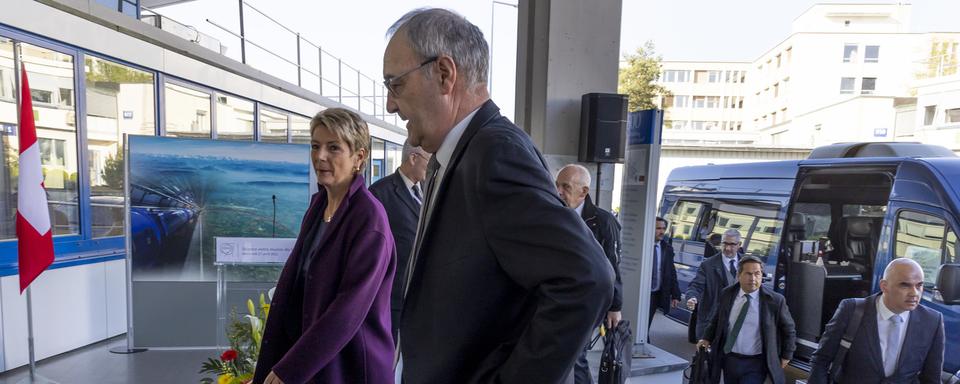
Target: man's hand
{"points": [[675, 303], [784, 362], [691, 303], [705, 344], [272, 378], [613, 318]]}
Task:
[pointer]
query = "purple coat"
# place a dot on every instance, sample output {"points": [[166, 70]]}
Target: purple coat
{"points": [[346, 334]]}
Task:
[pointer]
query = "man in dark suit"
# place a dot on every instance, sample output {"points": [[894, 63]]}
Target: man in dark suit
{"points": [[751, 330], [402, 195], [573, 185], [715, 273], [504, 283], [899, 340], [664, 287]]}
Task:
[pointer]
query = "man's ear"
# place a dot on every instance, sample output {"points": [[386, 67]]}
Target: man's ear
{"points": [[448, 73]]}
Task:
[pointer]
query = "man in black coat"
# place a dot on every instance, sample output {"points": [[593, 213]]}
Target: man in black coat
{"points": [[504, 282], [664, 287], [898, 339], [401, 194], [714, 274], [573, 185], [751, 330]]}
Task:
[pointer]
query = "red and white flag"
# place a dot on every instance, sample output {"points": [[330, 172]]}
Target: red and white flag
{"points": [[34, 235]]}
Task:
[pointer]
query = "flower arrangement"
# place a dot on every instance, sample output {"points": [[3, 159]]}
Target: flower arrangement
{"points": [[236, 365]]}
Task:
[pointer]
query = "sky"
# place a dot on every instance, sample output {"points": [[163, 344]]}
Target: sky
{"points": [[354, 31]]}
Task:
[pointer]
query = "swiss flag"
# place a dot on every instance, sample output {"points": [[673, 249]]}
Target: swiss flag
{"points": [[35, 239]]}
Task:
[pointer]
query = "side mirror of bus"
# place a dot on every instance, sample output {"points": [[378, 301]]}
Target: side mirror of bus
{"points": [[948, 283]]}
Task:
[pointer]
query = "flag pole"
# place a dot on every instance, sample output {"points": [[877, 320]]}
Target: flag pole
{"points": [[33, 377]]}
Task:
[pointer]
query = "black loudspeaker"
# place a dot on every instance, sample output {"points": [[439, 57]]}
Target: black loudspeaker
{"points": [[603, 127]]}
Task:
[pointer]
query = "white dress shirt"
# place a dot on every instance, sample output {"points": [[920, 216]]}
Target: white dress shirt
{"points": [[883, 326], [579, 208], [726, 267], [749, 341], [445, 152], [409, 183]]}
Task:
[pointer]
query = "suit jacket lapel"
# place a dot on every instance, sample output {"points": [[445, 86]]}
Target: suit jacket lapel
{"points": [[869, 323], [912, 335], [487, 112], [400, 188]]}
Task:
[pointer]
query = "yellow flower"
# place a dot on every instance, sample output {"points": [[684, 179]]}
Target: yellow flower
{"points": [[250, 307], [225, 378]]}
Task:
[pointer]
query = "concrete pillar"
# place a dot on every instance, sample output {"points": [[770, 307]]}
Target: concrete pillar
{"points": [[565, 48]]}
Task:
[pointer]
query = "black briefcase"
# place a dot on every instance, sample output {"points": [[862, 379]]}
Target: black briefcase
{"points": [[617, 352], [699, 370]]}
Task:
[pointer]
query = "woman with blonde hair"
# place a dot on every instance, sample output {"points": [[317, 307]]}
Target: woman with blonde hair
{"points": [[330, 316]]}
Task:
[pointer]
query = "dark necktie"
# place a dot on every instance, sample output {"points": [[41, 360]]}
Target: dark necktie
{"points": [[732, 339], [416, 193], [655, 278], [733, 270], [433, 167]]}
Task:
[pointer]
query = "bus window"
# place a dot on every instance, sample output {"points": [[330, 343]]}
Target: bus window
{"points": [[683, 219], [861, 210], [951, 248], [920, 237], [816, 220], [762, 242]]}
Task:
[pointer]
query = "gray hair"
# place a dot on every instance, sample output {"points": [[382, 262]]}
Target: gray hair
{"points": [[583, 175], [408, 150], [732, 233], [433, 32]]}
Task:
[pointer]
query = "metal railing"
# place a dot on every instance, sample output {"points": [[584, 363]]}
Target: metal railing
{"points": [[316, 69]]}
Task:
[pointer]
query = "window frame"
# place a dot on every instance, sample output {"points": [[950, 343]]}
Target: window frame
{"points": [[947, 228]]}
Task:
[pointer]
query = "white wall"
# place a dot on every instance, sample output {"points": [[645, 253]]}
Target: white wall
{"points": [[72, 307]]}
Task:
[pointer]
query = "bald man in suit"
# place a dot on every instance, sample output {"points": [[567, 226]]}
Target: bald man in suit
{"points": [[898, 341]]}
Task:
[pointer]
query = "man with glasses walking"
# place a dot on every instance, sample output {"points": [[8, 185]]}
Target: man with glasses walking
{"points": [[715, 273], [504, 283]]}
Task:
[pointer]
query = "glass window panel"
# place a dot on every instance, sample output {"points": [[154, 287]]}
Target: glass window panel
{"points": [[920, 237], [52, 73], [869, 85], [273, 126], [234, 118], [393, 157], [871, 54], [849, 53], [187, 112], [683, 218], [847, 84], [951, 115], [129, 8], [9, 146], [377, 160], [951, 248], [300, 129], [119, 101]]}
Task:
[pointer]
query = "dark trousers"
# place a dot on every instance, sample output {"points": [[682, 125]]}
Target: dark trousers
{"points": [[654, 304], [395, 325], [740, 369], [581, 369]]}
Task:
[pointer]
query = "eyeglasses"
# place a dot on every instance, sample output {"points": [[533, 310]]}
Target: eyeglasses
{"points": [[729, 243], [390, 83]]}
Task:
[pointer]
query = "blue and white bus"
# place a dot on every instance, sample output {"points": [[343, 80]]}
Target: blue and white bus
{"points": [[853, 206]]}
